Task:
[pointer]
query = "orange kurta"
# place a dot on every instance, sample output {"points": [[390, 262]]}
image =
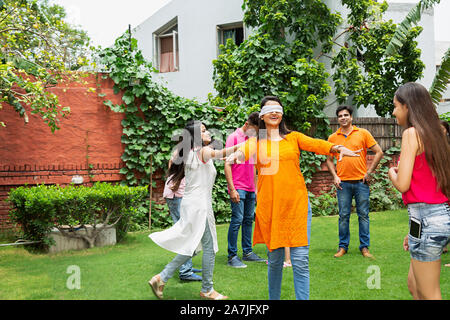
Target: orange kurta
{"points": [[282, 198]]}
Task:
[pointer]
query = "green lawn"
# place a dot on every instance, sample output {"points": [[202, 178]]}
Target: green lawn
{"points": [[122, 271]]}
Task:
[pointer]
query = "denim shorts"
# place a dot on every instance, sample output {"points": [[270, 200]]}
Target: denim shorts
{"points": [[435, 220]]}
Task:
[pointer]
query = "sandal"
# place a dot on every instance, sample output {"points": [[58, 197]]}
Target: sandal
{"points": [[157, 286], [213, 295]]}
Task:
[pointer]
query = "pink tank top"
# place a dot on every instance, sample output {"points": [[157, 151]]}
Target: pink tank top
{"points": [[424, 187]]}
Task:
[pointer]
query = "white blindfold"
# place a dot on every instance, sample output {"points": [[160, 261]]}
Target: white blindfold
{"points": [[271, 108]]}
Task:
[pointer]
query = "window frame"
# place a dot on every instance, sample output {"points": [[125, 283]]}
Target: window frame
{"points": [[228, 26], [164, 32]]}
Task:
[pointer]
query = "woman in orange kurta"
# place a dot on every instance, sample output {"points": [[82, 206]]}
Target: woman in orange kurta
{"points": [[282, 199]]}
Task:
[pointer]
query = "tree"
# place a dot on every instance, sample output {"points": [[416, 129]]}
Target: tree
{"points": [[364, 75], [284, 57], [38, 49], [442, 77], [278, 59]]}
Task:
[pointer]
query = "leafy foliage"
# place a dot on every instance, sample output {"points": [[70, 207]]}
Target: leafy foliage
{"points": [[445, 116], [401, 39], [38, 209], [383, 195], [442, 78], [403, 29], [364, 75], [38, 49], [325, 204], [277, 59], [154, 117]]}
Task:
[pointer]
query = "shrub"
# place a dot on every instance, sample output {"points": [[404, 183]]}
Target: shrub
{"points": [[324, 204], [38, 209], [383, 195]]}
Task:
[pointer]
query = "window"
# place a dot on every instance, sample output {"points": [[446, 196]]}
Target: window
{"points": [[165, 48], [234, 31]]}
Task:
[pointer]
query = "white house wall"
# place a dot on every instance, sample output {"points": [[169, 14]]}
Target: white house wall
{"points": [[197, 40], [197, 21]]}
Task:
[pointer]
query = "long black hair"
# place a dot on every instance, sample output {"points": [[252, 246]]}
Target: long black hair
{"points": [[190, 139], [283, 129]]}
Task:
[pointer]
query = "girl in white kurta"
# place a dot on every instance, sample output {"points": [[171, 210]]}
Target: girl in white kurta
{"points": [[196, 229]]}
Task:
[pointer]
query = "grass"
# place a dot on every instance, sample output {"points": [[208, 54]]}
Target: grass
{"points": [[121, 272]]}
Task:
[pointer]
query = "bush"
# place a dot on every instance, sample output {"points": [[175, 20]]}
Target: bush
{"points": [[324, 205], [383, 195], [38, 209]]}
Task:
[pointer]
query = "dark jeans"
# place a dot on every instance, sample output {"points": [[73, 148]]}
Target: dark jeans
{"points": [[360, 191], [242, 213]]}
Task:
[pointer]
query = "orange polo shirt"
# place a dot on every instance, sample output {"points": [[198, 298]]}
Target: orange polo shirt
{"points": [[353, 168]]}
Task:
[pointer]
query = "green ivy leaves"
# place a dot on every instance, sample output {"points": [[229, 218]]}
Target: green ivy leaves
{"points": [[153, 115]]}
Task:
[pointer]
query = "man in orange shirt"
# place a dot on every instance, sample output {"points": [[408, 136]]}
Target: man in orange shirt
{"points": [[351, 179]]}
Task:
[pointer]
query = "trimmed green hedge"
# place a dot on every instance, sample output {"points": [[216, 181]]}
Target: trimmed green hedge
{"points": [[38, 209]]}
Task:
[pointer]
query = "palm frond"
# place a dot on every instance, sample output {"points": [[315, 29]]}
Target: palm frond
{"points": [[441, 79], [403, 28]]}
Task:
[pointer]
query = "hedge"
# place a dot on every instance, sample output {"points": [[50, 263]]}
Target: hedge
{"points": [[39, 209]]}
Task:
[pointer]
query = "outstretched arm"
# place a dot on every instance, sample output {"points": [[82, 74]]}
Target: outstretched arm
{"points": [[344, 152], [208, 153], [321, 146], [236, 157]]}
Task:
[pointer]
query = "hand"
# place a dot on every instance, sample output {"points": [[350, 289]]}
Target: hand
{"points": [[367, 177], [234, 158], [343, 151], [234, 196], [405, 243], [337, 182], [392, 173]]}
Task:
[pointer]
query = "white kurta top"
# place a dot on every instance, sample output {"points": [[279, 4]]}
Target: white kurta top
{"points": [[184, 237]]}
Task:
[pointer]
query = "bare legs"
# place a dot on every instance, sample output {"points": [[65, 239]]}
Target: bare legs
{"points": [[423, 280]]}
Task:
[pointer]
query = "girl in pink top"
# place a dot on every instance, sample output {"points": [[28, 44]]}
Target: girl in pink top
{"points": [[423, 176]]}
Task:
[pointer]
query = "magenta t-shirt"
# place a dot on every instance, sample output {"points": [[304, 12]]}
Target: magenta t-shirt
{"points": [[243, 173]]}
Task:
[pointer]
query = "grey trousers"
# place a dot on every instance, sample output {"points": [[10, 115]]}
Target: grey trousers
{"points": [[208, 261]]}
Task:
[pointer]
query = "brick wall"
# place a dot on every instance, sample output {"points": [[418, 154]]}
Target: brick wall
{"points": [[88, 143]]}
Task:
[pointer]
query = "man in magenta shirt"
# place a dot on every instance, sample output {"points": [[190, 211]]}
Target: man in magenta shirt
{"points": [[241, 187]]}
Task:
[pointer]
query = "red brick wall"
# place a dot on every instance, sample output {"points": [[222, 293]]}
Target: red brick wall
{"points": [[31, 154]]}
